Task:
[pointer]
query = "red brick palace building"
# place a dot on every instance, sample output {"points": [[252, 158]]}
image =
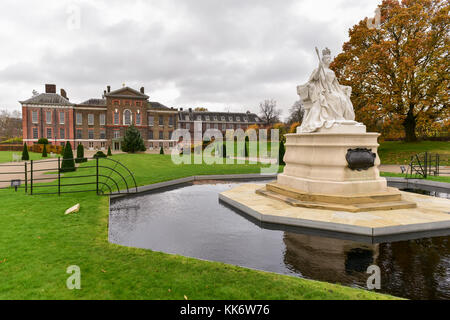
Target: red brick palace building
{"points": [[97, 123]]}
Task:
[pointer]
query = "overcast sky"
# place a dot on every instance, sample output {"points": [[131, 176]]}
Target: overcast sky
{"points": [[219, 54]]}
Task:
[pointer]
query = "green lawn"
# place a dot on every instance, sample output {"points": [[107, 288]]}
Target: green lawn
{"points": [[398, 152], [6, 156], [38, 242]]}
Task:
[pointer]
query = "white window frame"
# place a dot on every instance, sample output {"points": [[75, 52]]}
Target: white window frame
{"points": [[91, 119], [138, 119], [102, 119], [151, 121], [33, 113], [79, 116], [124, 117], [62, 120], [48, 119]]}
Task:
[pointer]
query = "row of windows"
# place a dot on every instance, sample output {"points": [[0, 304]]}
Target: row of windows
{"points": [[151, 136], [79, 134], [127, 103], [223, 126], [215, 118], [79, 119], [127, 118], [49, 133], [48, 117]]}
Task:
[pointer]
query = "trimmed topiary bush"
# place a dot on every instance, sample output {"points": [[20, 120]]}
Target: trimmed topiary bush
{"points": [[44, 151], [25, 155], [99, 154], [43, 141], [132, 142], [80, 154], [161, 150], [109, 151], [68, 163], [224, 150]]}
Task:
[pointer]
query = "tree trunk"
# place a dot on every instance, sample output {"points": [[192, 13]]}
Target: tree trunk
{"points": [[410, 126]]}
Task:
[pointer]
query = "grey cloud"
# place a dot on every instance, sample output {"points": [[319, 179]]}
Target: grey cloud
{"points": [[224, 53]]}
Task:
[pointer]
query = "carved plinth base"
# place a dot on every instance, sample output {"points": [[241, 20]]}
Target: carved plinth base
{"points": [[389, 200], [316, 162], [334, 169]]}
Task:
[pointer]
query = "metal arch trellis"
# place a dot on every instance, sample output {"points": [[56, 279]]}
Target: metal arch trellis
{"points": [[106, 183]]}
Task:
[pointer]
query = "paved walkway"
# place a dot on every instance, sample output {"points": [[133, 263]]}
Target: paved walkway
{"points": [[16, 171]]}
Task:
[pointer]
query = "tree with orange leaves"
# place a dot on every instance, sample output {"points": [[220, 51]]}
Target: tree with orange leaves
{"points": [[399, 71]]}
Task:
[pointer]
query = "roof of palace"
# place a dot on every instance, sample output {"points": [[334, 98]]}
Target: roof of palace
{"points": [[48, 98], [125, 92], [157, 105], [94, 102]]}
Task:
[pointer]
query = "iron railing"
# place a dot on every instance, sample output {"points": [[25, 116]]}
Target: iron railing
{"points": [[427, 164], [109, 177]]}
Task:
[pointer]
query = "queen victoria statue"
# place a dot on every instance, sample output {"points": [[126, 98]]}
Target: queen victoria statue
{"points": [[326, 102]]}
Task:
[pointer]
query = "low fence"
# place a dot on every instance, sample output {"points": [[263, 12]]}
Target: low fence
{"points": [[428, 164], [40, 177]]}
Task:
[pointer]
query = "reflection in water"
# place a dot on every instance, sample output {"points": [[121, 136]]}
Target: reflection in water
{"points": [[190, 221], [331, 260]]}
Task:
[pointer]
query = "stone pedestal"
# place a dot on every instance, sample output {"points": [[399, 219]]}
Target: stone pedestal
{"points": [[316, 162], [318, 174]]}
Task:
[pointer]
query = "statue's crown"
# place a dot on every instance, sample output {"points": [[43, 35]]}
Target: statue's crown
{"points": [[326, 52]]}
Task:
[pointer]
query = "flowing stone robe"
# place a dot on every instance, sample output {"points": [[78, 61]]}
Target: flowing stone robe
{"points": [[324, 107]]}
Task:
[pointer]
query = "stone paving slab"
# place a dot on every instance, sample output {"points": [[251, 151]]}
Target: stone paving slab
{"points": [[431, 214]]}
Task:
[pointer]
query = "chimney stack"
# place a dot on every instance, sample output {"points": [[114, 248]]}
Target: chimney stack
{"points": [[50, 88], [108, 89], [64, 94], [142, 90]]}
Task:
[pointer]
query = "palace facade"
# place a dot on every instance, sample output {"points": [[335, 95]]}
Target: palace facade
{"points": [[98, 122]]}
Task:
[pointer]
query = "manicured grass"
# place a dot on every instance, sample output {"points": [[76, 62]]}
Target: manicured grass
{"points": [[402, 175], [38, 242], [6, 156], [399, 152]]}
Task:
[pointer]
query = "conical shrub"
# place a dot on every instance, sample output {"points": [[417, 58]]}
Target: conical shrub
{"points": [[25, 155], [68, 163]]}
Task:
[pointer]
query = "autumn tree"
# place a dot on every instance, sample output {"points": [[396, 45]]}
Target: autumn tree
{"points": [[269, 113], [399, 71]]}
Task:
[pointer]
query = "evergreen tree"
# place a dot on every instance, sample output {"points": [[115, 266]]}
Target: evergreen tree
{"points": [[44, 151], [109, 151], [132, 142], [68, 163], [247, 146], [281, 153], [80, 154], [161, 151], [25, 155], [224, 150]]}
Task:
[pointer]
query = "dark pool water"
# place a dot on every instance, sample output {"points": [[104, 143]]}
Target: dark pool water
{"points": [[190, 221]]}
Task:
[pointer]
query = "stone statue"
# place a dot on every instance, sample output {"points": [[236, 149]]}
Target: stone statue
{"points": [[326, 102]]}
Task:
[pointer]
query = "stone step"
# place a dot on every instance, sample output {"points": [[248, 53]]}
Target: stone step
{"points": [[391, 195], [360, 207]]}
